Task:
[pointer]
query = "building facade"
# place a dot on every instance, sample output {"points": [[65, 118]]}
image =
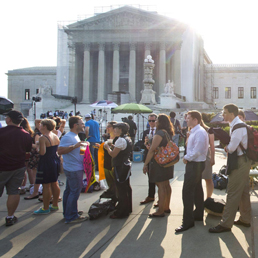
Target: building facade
{"points": [[235, 83], [26, 82], [104, 54]]}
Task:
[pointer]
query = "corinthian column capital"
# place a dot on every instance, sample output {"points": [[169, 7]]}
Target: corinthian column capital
{"points": [[116, 46], [147, 45], [178, 45], [133, 46], [101, 46], [162, 45], [86, 46]]}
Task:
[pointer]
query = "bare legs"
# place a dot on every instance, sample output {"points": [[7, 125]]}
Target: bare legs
{"points": [[12, 203], [164, 193], [209, 187], [32, 178], [48, 190]]}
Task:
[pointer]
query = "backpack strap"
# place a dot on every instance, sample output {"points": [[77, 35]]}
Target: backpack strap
{"points": [[237, 126], [166, 134]]}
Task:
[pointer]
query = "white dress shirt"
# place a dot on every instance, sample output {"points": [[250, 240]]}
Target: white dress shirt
{"points": [[238, 136], [197, 145]]}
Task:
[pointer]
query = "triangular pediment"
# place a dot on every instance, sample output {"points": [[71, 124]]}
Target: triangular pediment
{"points": [[125, 18]]}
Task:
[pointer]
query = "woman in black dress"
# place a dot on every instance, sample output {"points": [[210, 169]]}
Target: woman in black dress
{"points": [[48, 166], [157, 174]]}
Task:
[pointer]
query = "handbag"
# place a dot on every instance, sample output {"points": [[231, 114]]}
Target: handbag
{"points": [[167, 156]]}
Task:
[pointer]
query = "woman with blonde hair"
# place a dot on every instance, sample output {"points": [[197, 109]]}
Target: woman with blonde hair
{"points": [[157, 174], [48, 167]]}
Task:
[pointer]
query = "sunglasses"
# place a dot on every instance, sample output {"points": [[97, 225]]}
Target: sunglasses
{"points": [[151, 121]]}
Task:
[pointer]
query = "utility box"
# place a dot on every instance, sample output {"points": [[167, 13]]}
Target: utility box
{"points": [[137, 156]]}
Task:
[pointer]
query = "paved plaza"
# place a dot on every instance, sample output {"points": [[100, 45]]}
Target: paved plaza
{"points": [[135, 236]]}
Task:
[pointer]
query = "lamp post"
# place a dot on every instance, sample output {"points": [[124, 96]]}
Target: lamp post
{"points": [[35, 99], [74, 101]]}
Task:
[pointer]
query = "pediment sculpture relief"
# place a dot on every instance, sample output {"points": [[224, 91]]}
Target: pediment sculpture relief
{"points": [[122, 20]]}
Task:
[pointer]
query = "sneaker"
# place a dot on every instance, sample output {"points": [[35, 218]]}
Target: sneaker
{"points": [[78, 220], [80, 212], [41, 211], [23, 191], [53, 208], [10, 221]]}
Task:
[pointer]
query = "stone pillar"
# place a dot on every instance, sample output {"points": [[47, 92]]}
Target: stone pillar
{"points": [[177, 67], [115, 81], [147, 46], [200, 73], [86, 74], [71, 86], [132, 72], [162, 67], [101, 72]]}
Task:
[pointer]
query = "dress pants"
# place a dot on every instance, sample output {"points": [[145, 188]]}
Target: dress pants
{"points": [[124, 206], [238, 194], [193, 193], [151, 191]]}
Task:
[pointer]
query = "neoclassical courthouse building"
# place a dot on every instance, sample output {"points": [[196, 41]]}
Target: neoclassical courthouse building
{"points": [[102, 57]]}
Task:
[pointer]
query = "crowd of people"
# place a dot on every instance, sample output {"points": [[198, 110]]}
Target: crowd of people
{"points": [[47, 149]]}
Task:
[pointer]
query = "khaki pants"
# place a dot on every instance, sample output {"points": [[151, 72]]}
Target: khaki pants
{"points": [[238, 194]]}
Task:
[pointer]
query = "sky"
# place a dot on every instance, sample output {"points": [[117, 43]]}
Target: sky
{"points": [[29, 28]]}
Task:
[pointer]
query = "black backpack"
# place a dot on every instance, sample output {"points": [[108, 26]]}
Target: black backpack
{"points": [[214, 206], [220, 181], [101, 207]]}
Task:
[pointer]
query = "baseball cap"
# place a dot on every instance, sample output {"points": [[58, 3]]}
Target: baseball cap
{"points": [[87, 116], [15, 115]]}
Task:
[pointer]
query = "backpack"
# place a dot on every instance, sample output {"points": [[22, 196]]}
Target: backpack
{"points": [[220, 181], [214, 206], [252, 142], [223, 170], [101, 207]]}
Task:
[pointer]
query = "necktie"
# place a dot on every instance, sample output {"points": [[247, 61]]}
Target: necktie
{"points": [[152, 131]]}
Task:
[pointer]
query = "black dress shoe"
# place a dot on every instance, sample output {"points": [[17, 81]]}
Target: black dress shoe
{"points": [[156, 215], [198, 219], [239, 222], [219, 229], [183, 228]]}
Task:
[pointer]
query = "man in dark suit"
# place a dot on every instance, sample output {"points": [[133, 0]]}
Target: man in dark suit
{"points": [[151, 131]]}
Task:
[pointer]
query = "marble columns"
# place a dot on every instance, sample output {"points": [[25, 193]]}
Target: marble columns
{"points": [[177, 67], [101, 72], [147, 46], [86, 74], [162, 67], [132, 72], [71, 90], [115, 81]]}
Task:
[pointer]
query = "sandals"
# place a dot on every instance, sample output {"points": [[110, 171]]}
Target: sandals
{"points": [[31, 198], [51, 200]]}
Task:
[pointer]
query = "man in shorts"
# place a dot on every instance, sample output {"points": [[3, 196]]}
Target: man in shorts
{"points": [[15, 143]]}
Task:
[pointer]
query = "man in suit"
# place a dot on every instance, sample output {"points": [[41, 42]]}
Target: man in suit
{"points": [[151, 131]]}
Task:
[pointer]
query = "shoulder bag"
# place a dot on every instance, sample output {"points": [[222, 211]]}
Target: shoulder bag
{"points": [[167, 156]]}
